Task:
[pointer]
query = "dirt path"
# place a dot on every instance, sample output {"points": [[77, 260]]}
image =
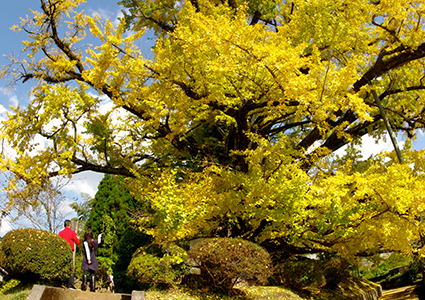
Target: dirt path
{"points": [[404, 293]]}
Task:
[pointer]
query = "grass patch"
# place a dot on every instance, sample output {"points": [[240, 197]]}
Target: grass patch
{"points": [[14, 290], [242, 293]]}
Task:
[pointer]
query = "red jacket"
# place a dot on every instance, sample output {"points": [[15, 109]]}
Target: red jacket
{"points": [[70, 236]]}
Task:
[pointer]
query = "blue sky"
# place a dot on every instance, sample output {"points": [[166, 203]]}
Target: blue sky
{"points": [[108, 9], [10, 15]]}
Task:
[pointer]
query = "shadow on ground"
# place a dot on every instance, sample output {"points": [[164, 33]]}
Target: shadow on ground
{"points": [[420, 292]]}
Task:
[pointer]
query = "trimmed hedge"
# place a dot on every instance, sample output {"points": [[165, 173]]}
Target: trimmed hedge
{"points": [[308, 275], [152, 266], [33, 255], [224, 260], [147, 268]]}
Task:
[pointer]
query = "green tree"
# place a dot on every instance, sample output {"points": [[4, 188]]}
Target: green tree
{"points": [[231, 128], [111, 212]]}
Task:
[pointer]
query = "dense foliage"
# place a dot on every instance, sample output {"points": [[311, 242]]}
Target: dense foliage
{"points": [[126, 247], [150, 269], [225, 260], [114, 200], [231, 128], [300, 273], [33, 255], [112, 209], [153, 265]]}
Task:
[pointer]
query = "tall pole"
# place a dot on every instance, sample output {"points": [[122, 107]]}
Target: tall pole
{"points": [[388, 126], [400, 158], [3, 213], [1, 219], [74, 226]]}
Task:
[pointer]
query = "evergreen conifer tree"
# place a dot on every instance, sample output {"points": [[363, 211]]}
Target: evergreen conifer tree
{"points": [[111, 214]]}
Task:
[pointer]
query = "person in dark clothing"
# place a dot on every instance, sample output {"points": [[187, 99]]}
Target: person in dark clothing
{"points": [[70, 236], [90, 264]]}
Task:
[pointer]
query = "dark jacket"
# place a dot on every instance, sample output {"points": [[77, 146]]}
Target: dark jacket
{"points": [[94, 266]]}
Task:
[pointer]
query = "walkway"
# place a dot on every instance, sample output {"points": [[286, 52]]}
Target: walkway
{"points": [[40, 292], [404, 293]]}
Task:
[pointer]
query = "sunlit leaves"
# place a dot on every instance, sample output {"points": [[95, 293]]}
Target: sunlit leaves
{"points": [[229, 129]]}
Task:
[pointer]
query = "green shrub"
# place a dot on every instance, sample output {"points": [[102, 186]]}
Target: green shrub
{"points": [[35, 255], [149, 268], [380, 265], [130, 241], [2, 259], [300, 273], [9, 285], [224, 260], [105, 268], [152, 265]]}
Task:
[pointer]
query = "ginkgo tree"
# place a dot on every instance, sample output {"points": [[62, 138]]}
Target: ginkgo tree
{"points": [[231, 128]]}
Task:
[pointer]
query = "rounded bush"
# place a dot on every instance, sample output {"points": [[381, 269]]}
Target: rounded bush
{"points": [[299, 274], [151, 265], [224, 260], [33, 255], [303, 274], [147, 268]]}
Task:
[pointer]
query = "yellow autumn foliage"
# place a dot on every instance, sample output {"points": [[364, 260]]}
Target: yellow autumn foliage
{"points": [[231, 126]]}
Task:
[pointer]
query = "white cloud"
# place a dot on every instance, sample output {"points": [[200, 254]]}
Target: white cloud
{"points": [[116, 21], [12, 98], [86, 183], [102, 13], [419, 143], [5, 227], [106, 14], [370, 146], [14, 101], [2, 109]]}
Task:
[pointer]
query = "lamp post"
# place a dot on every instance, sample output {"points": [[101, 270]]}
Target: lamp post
{"points": [[400, 159], [388, 126], [74, 226], [3, 214]]}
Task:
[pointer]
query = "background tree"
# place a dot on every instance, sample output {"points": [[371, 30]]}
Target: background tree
{"points": [[111, 213], [230, 129], [42, 206], [83, 209]]}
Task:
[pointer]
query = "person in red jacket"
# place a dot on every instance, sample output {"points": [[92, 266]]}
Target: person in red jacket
{"points": [[70, 236]]}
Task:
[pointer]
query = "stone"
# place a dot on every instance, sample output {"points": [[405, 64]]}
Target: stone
{"points": [[39, 292], [138, 295]]}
